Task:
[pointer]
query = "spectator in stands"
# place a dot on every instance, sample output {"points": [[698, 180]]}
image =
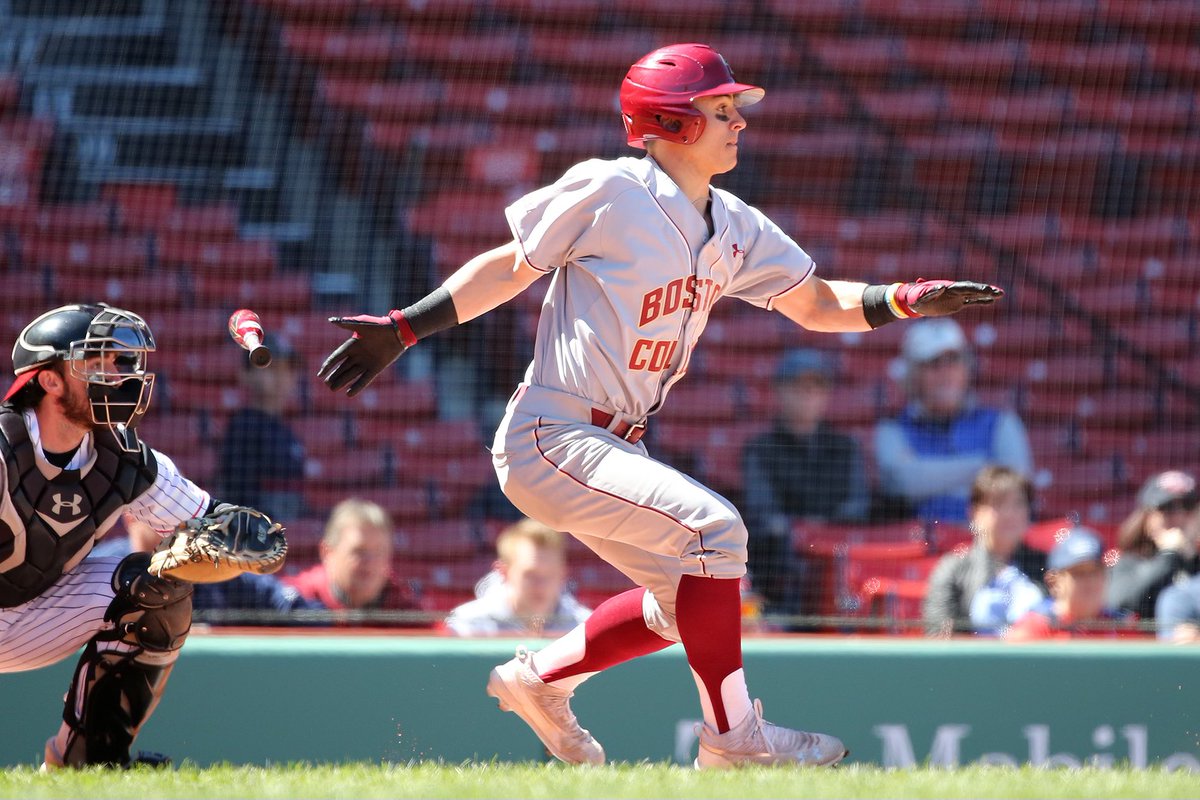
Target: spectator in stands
{"points": [[1177, 612], [1076, 577], [988, 586], [246, 592], [930, 453], [355, 572], [526, 592], [1157, 542], [262, 460], [801, 469]]}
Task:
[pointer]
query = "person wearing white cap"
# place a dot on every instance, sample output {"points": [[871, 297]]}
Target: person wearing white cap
{"points": [[930, 453]]}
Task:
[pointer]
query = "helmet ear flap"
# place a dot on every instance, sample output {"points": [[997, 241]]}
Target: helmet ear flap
{"points": [[669, 124]]}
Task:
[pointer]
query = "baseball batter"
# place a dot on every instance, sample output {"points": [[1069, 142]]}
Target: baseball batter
{"points": [[639, 251], [70, 464]]}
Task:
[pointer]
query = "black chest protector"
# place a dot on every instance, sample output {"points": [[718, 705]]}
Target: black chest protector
{"points": [[79, 504]]}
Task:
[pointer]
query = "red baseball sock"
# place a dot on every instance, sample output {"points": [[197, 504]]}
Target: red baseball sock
{"points": [[708, 613], [615, 632]]}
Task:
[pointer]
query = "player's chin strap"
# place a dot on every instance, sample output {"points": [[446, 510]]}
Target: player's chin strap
{"points": [[884, 303], [114, 690]]}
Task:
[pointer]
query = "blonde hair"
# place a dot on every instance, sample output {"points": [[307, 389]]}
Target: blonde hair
{"points": [[355, 509], [532, 531]]}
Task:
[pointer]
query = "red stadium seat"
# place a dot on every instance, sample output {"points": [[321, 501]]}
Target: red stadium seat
{"points": [[362, 53], [187, 328], [864, 61], [198, 465], [455, 216], [205, 223], [1171, 20], [1036, 111], [385, 401], [403, 503], [249, 257], [363, 466], [182, 395], [1179, 62], [491, 54], [440, 540], [173, 433], [916, 109], [972, 64], [1097, 64], [117, 257], [1062, 20], [84, 221], [144, 202], [447, 438], [221, 365], [138, 294], [502, 165], [1168, 111], [385, 101], [253, 290], [944, 18]]}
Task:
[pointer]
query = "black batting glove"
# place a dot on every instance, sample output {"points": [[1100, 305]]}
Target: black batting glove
{"points": [[943, 298], [374, 343]]}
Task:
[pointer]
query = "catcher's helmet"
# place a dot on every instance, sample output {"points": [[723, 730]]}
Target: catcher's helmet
{"points": [[657, 93], [83, 336]]}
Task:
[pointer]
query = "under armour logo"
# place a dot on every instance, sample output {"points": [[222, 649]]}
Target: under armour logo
{"points": [[738, 251], [74, 504]]}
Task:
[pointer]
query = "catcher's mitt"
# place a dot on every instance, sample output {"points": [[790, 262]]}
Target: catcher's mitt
{"points": [[220, 546]]}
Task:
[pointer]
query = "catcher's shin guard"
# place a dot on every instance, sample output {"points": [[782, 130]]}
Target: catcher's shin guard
{"points": [[114, 690]]}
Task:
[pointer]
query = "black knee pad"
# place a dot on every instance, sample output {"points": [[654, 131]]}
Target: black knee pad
{"points": [[153, 613]]}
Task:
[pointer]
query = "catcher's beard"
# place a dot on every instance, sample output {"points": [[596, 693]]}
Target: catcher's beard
{"points": [[75, 406]]}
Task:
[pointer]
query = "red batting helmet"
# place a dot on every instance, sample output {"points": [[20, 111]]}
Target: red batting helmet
{"points": [[657, 93]]}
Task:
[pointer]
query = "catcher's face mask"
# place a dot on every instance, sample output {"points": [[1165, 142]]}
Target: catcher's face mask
{"points": [[112, 361]]}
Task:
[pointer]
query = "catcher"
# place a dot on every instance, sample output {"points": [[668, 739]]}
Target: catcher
{"points": [[70, 464]]}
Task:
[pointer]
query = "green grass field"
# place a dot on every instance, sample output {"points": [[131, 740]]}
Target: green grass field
{"points": [[553, 780]]}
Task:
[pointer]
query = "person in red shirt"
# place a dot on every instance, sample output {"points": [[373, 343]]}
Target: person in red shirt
{"points": [[355, 572], [1077, 578]]}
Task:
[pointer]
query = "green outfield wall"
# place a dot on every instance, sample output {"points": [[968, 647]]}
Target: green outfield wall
{"points": [[258, 699]]}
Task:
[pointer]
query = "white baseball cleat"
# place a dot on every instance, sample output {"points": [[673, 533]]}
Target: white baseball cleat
{"points": [[756, 741], [545, 708]]}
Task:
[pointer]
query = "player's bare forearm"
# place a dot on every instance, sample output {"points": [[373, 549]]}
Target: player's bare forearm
{"points": [[835, 306], [490, 280], [825, 306]]}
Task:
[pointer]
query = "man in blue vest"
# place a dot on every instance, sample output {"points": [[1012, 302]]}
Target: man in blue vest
{"points": [[931, 452]]}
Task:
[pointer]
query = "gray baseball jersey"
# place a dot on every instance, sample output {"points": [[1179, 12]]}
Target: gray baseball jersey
{"points": [[636, 274], [641, 274]]}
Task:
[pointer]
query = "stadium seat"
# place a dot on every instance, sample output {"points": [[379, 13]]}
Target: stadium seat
{"points": [[450, 539], [982, 64], [363, 466], [364, 53], [1062, 21], [1034, 112], [240, 290], [1166, 111], [115, 257], [251, 258], [141, 293], [403, 503], [412, 439], [1104, 64]]}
